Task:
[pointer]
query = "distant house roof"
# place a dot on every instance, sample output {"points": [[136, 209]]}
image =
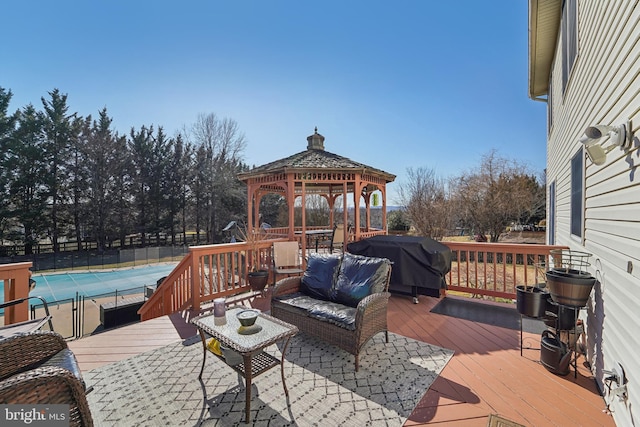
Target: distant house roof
{"points": [[544, 26], [315, 158]]}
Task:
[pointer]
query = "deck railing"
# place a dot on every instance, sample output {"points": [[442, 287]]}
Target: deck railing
{"points": [[495, 269], [206, 273], [212, 271], [15, 278]]}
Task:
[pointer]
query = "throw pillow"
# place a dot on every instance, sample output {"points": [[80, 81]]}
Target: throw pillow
{"points": [[359, 277], [320, 275]]}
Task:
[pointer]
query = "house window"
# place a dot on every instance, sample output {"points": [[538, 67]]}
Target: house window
{"points": [[577, 193], [551, 221], [569, 38]]}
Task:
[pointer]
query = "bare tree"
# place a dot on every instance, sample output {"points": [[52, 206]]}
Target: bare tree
{"points": [[220, 145], [489, 197], [426, 202]]}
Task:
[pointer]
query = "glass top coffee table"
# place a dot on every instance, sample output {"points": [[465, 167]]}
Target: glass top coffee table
{"points": [[255, 360]]}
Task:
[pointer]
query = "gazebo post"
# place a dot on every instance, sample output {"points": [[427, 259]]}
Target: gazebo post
{"points": [[383, 190], [303, 238], [357, 189], [291, 201], [250, 190], [367, 203], [345, 215]]}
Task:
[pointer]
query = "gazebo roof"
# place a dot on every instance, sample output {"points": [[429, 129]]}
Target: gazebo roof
{"points": [[314, 158]]}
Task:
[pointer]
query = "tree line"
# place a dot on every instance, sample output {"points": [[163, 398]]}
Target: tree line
{"points": [[68, 177]]}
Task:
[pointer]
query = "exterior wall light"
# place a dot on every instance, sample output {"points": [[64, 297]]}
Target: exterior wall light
{"points": [[594, 140]]}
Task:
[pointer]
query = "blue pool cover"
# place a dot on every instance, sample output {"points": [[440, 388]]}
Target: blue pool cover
{"points": [[60, 286]]}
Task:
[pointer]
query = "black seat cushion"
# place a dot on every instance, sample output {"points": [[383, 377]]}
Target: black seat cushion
{"points": [[338, 314], [298, 299]]}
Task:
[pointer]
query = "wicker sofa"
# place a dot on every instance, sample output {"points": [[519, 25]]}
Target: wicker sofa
{"points": [[341, 299], [39, 368]]}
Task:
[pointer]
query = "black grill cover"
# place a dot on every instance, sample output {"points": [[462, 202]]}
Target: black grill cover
{"points": [[419, 263]]}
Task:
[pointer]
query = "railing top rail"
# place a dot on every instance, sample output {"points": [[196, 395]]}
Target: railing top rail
{"points": [[15, 266], [488, 247]]}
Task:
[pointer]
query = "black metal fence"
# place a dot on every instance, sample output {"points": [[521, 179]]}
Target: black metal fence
{"points": [[80, 260], [79, 316]]}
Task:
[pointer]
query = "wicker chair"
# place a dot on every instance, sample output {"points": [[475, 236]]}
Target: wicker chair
{"points": [[39, 368]]}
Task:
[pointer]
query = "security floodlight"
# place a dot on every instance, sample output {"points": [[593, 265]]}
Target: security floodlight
{"points": [[597, 149]]}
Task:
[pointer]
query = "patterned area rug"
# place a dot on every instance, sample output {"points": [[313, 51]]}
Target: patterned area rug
{"points": [[161, 387]]}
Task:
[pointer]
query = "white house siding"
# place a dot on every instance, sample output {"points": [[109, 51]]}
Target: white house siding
{"points": [[604, 88]]}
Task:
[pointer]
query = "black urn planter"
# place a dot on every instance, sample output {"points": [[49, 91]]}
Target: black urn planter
{"points": [[531, 301], [258, 280]]}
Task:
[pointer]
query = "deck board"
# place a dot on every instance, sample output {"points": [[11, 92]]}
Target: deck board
{"points": [[486, 375]]}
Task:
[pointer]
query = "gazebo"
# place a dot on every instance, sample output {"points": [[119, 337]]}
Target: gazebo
{"points": [[316, 171]]}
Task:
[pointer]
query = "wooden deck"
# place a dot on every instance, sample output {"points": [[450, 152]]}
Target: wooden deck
{"points": [[486, 376]]}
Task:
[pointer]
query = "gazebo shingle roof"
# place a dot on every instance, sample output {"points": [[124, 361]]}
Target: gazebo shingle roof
{"points": [[315, 159]]}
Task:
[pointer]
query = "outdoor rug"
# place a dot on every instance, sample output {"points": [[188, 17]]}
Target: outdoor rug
{"points": [[505, 317], [161, 387]]}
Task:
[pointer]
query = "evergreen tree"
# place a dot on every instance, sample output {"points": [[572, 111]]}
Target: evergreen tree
{"points": [[102, 151], [121, 200], [7, 127], [158, 164], [26, 167], [176, 187], [78, 177], [141, 149], [59, 131]]}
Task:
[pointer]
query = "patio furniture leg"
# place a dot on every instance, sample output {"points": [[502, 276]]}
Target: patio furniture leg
{"points": [[247, 377], [284, 351], [204, 356]]}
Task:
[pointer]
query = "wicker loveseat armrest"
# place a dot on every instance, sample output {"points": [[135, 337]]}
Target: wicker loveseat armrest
{"points": [[22, 351], [287, 286], [48, 385], [371, 307]]}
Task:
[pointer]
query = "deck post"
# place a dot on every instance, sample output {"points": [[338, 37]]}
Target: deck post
{"points": [[195, 282], [16, 285]]}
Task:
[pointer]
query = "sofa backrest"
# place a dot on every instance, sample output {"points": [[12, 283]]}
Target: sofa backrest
{"points": [[345, 278], [360, 276], [320, 276]]}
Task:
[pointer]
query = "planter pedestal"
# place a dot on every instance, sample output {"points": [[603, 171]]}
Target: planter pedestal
{"points": [[531, 301]]}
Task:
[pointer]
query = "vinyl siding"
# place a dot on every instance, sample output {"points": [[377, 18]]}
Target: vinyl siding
{"points": [[604, 88]]}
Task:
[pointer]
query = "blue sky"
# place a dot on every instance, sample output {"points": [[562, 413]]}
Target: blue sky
{"points": [[394, 85]]}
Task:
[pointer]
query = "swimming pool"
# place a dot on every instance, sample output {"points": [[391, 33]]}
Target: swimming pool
{"points": [[61, 286]]}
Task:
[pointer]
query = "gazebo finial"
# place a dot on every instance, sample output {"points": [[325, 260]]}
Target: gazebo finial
{"points": [[315, 141]]}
